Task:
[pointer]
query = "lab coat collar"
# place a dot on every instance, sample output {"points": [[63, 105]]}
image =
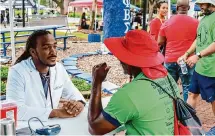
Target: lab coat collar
{"points": [[35, 73]]}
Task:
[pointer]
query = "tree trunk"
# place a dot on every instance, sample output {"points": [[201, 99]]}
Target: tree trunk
{"points": [[60, 4], [62, 10], [93, 14], [152, 4]]}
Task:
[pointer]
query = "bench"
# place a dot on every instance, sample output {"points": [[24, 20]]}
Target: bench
{"points": [[64, 39], [51, 20], [16, 36], [6, 44]]}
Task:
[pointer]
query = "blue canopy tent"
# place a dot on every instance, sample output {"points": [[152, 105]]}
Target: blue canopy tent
{"points": [[173, 7], [197, 8]]}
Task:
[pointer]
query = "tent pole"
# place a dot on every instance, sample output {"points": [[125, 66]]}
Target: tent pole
{"points": [[169, 9], [145, 5], [12, 32], [95, 16], [38, 8], [102, 14], [23, 13]]}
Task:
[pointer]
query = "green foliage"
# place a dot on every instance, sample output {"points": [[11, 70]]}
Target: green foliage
{"points": [[80, 35], [4, 72], [3, 87], [76, 15], [81, 84], [17, 11], [173, 1]]}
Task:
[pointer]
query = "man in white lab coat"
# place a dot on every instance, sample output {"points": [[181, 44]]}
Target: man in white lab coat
{"points": [[35, 74]]}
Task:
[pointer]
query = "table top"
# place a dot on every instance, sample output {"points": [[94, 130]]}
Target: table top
{"points": [[21, 29], [69, 126]]}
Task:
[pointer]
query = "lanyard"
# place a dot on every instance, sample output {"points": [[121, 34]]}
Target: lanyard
{"points": [[47, 81], [50, 94]]}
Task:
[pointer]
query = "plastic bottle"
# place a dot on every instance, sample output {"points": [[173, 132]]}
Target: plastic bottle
{"points": [[183, 66]]}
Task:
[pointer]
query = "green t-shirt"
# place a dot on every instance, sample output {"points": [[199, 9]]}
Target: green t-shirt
{"points": [[143, 107], [206, 36]]}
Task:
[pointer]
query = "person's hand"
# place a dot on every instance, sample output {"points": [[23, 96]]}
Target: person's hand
{"points": [[184, 57], [73, 108], [192, 60], [100, 72], [60, 113]]}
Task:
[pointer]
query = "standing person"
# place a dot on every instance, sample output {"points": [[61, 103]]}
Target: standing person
{"points": [[155, 24], [37, 82], [203, 80], [2, 18], [141, 106], [137, 19], [178, 38], [8, 17]]}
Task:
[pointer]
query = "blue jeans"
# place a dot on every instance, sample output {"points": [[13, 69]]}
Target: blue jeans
{"points": [[175, 71], [211, 132]]}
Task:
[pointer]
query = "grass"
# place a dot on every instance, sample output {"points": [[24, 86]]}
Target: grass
{"points": [[80, 35], [58, 33]]}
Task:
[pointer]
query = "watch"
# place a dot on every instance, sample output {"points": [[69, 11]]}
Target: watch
{"points": [[199, 55]]}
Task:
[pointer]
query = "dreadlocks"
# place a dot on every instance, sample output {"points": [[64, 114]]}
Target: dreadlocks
{"points": [[31, 43]]}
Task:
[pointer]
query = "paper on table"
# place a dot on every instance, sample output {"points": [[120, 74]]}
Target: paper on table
{"points": [[109, 86]]}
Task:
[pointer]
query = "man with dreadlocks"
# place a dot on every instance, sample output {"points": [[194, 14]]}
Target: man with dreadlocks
{"points": [[37, 82]]}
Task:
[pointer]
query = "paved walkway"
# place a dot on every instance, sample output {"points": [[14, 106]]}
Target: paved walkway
{"points": [[204, 112]]}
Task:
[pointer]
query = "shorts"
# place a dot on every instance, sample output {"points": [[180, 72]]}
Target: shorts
{"points": [[203, 85]]}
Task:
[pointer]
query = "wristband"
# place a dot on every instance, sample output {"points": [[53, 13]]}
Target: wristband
{"points": [[82, 102]]}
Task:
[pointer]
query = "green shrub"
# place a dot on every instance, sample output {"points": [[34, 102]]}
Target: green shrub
{"points": [[81, 84], [3, 87], [4, 72]]}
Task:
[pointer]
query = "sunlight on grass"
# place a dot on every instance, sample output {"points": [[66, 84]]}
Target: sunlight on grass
{"points": [[58, 33], [80, 35]]}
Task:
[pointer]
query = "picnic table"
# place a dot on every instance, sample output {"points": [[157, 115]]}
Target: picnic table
{"points": [[30, 29], [69, 126]]}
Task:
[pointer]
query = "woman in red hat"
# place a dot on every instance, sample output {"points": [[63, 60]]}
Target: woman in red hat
{"points": [[141, 105], [156, 23]]}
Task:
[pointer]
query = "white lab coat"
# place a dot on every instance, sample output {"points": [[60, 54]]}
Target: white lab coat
{"points": [[24, 86]]}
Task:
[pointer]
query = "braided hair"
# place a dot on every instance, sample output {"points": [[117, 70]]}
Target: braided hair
{"points": [[31, 43]]}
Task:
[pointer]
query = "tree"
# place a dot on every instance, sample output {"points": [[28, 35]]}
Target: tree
{"points": [[60, 4], [152, 4], [93, 14]]}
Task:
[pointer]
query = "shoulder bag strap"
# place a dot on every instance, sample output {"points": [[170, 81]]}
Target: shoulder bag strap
{"points": [[161, 87]]}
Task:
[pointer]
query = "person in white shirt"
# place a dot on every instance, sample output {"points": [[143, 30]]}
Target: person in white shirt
{"points": [[37, 82]]}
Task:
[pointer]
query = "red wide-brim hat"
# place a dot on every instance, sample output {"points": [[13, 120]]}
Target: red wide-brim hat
{"points": [[137, 48]]}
